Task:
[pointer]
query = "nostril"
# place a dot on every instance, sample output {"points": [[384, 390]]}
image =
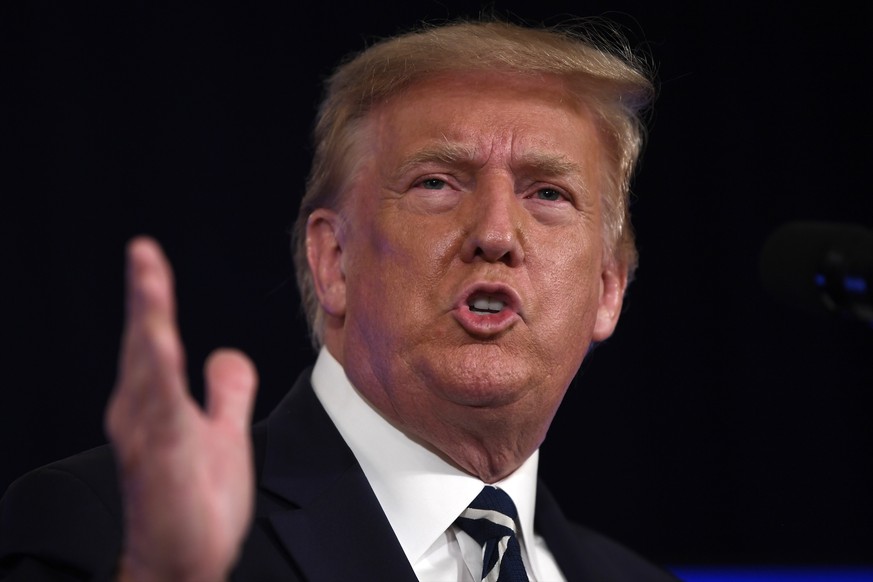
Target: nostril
{"points": [[486, 242]]}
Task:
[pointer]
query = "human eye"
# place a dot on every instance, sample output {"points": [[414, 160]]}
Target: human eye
{"points": [[549, 203], [432, 184], [549, 194], [432, 194]]}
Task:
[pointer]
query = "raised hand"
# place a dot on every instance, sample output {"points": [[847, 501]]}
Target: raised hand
{"points": [[185, 473]]}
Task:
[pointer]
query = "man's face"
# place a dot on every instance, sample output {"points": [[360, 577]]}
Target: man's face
{"points": [[465, 278]]}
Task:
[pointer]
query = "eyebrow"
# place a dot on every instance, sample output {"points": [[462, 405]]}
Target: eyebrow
{"points": [[550, 164], [444, 153], [456, 154]]}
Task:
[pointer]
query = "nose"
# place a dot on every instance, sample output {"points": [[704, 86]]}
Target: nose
{"points": [[494, 225]]}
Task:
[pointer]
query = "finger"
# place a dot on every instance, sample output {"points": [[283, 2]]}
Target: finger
{"points": [[153, 350], [151, 368], [149, 280], [231, 381]]}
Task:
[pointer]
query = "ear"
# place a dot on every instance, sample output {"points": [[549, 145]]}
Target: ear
{"points": [[324, 252], [613, 282]]}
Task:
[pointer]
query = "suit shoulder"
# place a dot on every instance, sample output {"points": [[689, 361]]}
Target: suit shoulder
{"points": [[615, 562], [584, 554], [67, 514]]}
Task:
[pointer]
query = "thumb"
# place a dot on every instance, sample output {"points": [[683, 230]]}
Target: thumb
{"points": [[231, 381]]}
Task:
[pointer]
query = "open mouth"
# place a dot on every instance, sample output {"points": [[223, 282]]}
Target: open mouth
{"points": [[486, 310], [485, 304]]}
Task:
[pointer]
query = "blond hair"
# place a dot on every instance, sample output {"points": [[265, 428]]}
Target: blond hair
{"points": [[599, 70]]}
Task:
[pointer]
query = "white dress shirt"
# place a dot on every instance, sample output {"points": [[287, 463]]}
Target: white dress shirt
{"points": [[420, 493]]}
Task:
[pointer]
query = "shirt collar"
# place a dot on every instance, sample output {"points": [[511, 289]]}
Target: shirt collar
{"points": [[420, 493]]}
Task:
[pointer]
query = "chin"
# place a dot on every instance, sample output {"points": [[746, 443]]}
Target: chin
{"points": [[482, 376]]}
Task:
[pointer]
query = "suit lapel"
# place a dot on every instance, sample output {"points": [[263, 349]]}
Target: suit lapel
{"points": [[336, 529], [551, 523]]}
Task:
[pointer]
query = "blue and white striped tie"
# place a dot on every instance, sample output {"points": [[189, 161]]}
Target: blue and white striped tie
{"points": [[491, 520]]}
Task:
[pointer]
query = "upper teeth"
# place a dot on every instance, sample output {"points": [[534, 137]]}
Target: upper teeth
{"points": [[487, 304]]}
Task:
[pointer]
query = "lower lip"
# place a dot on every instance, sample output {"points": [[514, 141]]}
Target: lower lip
{"points": [[481, 324]]}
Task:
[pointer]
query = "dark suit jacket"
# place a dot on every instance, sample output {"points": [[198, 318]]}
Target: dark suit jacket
{"points": [[316, 517]]}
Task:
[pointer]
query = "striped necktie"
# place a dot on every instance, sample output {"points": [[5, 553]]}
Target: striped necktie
{"points": [[491, 521]]}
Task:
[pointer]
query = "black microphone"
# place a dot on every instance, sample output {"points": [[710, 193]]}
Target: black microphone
{"points": [[821, 267]]}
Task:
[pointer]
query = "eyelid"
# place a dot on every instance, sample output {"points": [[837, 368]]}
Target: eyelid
{"points": [[565, 193], [419, 181]]}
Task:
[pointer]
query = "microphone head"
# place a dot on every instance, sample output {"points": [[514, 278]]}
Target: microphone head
{"points": [[821, 267]]}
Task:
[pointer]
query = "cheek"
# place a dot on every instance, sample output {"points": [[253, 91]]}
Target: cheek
{"points": [[416, 250], [393, 272], [571, 284]]}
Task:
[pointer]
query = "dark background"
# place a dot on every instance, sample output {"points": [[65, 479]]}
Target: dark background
{"points": [[717, 426]]}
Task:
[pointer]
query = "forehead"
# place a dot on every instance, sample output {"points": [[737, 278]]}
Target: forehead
{"points": [[482, 113]]}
